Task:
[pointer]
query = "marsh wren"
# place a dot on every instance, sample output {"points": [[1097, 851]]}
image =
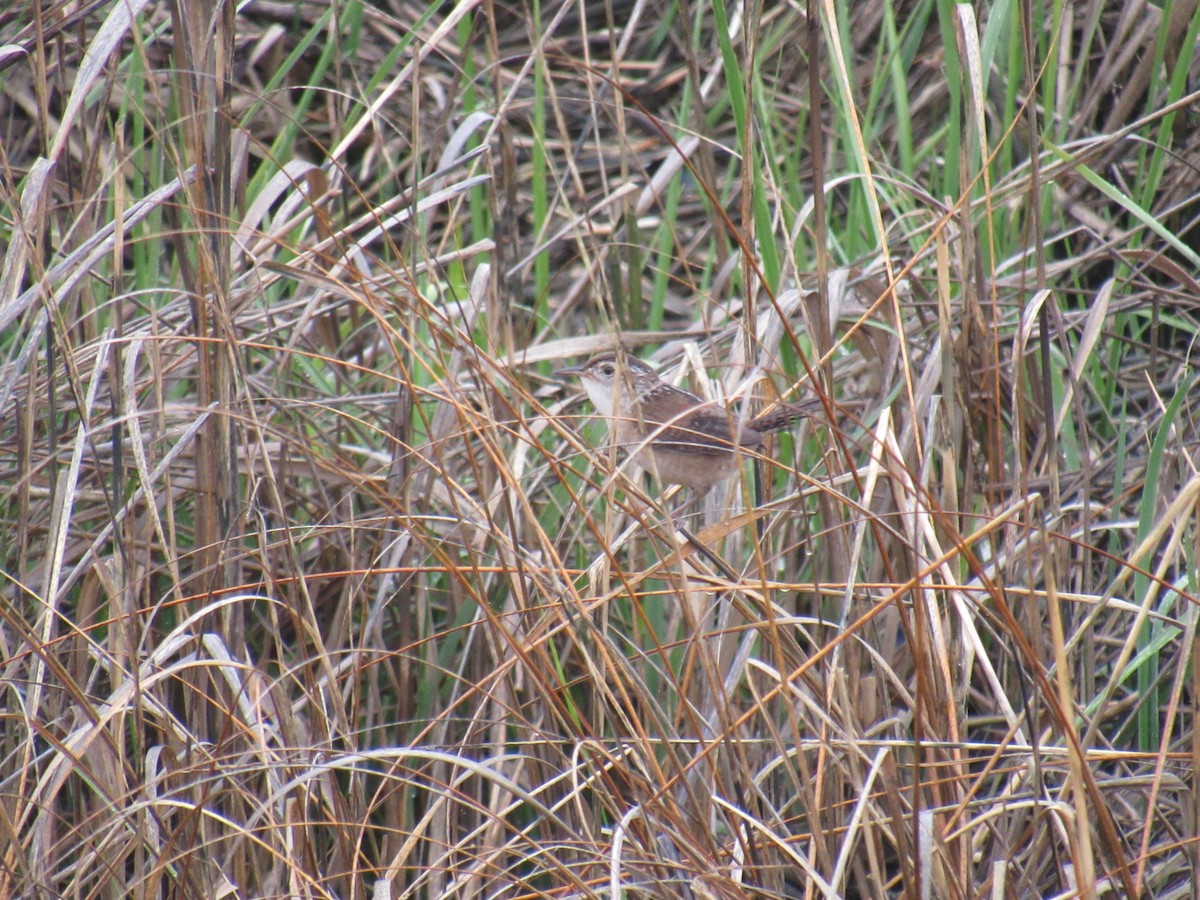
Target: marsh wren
{"points": [[681, 438]]}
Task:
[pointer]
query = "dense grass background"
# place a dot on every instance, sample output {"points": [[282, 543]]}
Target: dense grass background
{"points": [[315, 584]]}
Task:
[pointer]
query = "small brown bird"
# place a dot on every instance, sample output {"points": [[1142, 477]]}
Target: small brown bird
{"points": [[681, 438]]}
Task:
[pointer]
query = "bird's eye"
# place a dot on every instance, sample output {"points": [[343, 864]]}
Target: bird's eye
{"points": [[607, 369]]}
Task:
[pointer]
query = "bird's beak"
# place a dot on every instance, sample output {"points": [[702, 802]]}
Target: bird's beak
{"points": [[568, 372]]}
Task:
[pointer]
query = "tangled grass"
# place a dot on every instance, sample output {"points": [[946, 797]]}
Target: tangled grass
{"points": [[316, 584]]}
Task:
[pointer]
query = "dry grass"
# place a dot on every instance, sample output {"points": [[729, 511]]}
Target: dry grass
{"points": [[317, 585]]}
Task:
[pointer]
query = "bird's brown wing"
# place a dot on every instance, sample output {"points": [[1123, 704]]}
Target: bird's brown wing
{"points": [[701, 432]]}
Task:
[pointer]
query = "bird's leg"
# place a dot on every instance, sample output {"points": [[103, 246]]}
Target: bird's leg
{"points": [[681, 510], [700, 505], [712, 503]]}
